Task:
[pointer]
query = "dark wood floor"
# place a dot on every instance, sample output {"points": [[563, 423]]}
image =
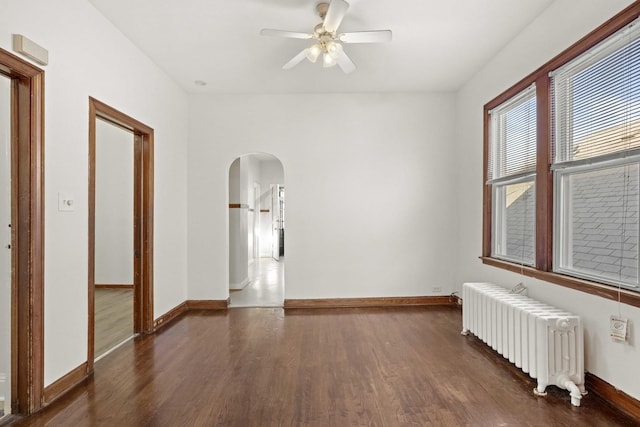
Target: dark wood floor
{"points": [[342, 367]]}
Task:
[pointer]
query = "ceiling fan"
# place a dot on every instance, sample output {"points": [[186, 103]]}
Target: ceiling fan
{"points": [[327, 41]]}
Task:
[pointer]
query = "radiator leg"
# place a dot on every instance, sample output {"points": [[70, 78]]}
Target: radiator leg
{"points": [[465, 332], [567, 384], [583, 390], [540, 390]]}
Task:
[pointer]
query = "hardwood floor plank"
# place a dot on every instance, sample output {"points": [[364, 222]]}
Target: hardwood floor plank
{"points": [[113, 319], [315, 367]]}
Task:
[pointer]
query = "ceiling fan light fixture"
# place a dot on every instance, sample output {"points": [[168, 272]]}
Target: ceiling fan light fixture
{"points": [[328, 60], [333, 49], [313, 52], [327, 40]]}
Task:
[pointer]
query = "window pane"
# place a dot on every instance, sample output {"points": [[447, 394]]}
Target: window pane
{"points": [[520, 138], [605, 119], [597, 100], [600, 225], [514, 222], [513, 136]]}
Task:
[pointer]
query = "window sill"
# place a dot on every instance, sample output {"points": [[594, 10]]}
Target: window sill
{"points": [[593, 288]]}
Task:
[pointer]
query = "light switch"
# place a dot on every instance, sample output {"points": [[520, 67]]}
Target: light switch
{"points": [[66, 202]]}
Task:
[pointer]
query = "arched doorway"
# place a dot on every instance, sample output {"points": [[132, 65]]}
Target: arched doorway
{"points": [[256, 231]]}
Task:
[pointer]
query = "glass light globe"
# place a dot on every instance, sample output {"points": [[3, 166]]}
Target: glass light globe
{"points": [[328, 60], [313, 52]]}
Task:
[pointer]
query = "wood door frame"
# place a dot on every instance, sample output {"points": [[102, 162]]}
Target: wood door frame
{"points": [[27, 232], [142, 218]]}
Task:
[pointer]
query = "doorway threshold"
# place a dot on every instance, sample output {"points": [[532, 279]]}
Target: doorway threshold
{"points": [[117, 346]]}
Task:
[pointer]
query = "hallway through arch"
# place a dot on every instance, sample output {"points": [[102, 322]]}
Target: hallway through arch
{"points": [[256, 231], [265, 288]]}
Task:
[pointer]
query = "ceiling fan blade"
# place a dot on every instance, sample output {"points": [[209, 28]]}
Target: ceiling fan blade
{"points": [[285, 34], [335, 15], [295, 60], [345, 63], [379, 36]]}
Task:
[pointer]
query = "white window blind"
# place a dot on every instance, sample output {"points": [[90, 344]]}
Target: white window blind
{"points": [[596, 101], [596, 122], [512, 127]]}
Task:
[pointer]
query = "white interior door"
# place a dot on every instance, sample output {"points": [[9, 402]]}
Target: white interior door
{"points": [[275, 221], [5, 248]]}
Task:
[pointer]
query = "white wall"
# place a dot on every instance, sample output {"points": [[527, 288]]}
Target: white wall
{"points": [[88, 57], [369, 190], [114, 205], [234, 182], [553, 31], [238, 273], [270, 173]]}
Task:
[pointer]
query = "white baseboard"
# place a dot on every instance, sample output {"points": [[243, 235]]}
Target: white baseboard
{"points": [[239, 286]]}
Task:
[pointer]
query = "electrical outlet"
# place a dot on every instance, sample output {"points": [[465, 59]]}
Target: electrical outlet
{"points": [[436, 289]]}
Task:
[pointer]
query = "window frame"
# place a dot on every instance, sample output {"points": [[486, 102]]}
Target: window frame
{"points": [[561, 211], [500, 238], [544, 188]]}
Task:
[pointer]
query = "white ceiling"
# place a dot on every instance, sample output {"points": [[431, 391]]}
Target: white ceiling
{"points": [[437, 44]]}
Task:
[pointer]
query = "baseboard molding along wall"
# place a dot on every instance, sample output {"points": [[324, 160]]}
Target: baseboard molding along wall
{"points": [[239, 286], [369, 302], [65, 383], [113, 286], [188, 305], [616, 398]]}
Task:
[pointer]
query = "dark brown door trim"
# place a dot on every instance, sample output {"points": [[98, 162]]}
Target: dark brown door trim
{"points": [[143, 219], [27, 237]]}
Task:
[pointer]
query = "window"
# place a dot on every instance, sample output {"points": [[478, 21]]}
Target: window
{"points": [[597, 136], [597, 217], [512, 165], [562, 167]]}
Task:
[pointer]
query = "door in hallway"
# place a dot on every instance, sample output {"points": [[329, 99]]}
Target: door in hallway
{"points": [[5, 249], [120, 220]]}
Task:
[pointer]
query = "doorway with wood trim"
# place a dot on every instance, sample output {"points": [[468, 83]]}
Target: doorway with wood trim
{"points": [[120, 284], [256, 241], [5, 250], [22, 225], [113, 239]]}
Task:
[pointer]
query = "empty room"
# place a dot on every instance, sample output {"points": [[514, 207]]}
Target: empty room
{"points": [[319, 213]]}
